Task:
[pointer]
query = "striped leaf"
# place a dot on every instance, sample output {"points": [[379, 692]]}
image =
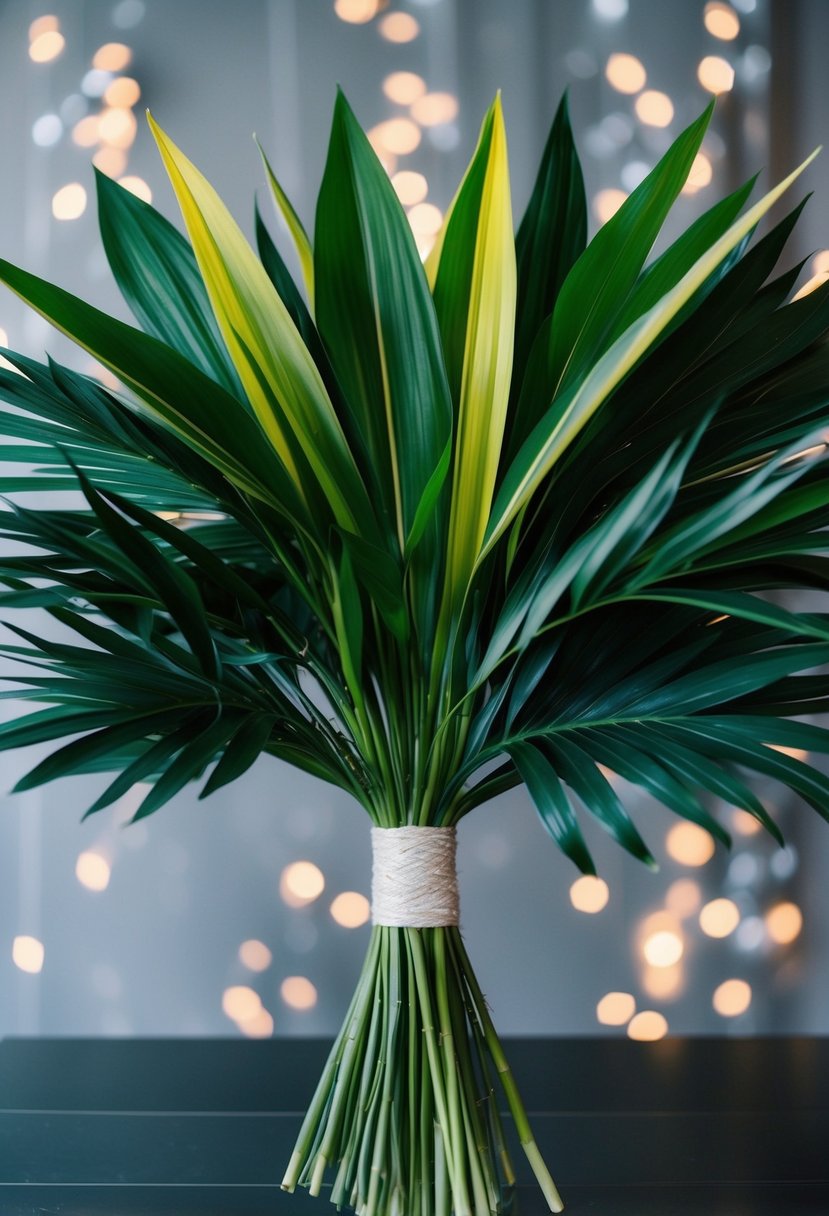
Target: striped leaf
{"points": [[475, 293], [281, 380], [294, 224]]}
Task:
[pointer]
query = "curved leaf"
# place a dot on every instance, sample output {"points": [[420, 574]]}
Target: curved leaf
{"points": [[156, 271], [280, 378]]}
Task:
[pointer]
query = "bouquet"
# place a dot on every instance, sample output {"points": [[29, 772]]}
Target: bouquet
{"points": [[429, 532]]}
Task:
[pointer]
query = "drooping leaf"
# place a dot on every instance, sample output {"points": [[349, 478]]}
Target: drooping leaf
{"points": [[243, 748], [552, 804], [194, 407]]}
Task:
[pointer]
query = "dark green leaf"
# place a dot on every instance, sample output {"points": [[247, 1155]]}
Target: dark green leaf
{"points": [[156, 270], [552, 803]]}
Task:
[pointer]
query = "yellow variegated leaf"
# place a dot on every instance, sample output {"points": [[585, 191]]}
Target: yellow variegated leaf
{"points": [[278, 374], [475, 299], [568, 414], [298, 234], [432, 261]]}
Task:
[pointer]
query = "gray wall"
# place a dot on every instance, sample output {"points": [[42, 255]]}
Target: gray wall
{"points": [[153, 953]]}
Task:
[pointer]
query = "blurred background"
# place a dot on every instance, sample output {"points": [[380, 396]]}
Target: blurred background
{"points": [[248, 914]]}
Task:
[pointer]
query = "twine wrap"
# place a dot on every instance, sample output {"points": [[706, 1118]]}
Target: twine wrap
{"points": [[414, 882]]}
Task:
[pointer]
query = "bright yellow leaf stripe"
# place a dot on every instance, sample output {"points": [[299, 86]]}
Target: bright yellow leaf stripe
{"points": [[487, 363], [274, 365], [298, 234]]}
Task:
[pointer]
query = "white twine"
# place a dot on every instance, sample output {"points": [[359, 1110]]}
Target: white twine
{"points": [[414, 882]]}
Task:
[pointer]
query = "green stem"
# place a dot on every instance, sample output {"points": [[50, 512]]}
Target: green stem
{"points": [[447, 1042], [516, 1106], [404, 1115]]}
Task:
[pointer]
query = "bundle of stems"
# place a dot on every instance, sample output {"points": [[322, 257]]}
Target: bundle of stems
{"points": [[428, 531], [407, 1108]]}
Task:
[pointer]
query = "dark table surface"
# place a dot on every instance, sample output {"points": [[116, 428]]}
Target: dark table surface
{"points": [[724, 1127]]}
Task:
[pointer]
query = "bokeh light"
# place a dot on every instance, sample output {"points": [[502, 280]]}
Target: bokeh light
{"points": [[715, 74], [123, 92], [46, 24], [85, 132], [356, 12], [69, 202], [112, 161], [92, 871], [404, 87], [589, 894], [719, 918], [255, 955], [745, 824], [606, 203], [783, 923], [435, 108], [117, 127], [350, 909], [399, 27], [633, 173], [47, 130], [732, 998], [615, 1008], [260, 1026], [689, 845], [136, 186], [425, 219], [795, 753], [625, 72], [298, 992], [397, 135], [301, 883], [647, 1026], [654, 108], [112, 57], [663, 948], [95, 83], [46, 46], [128, 13], [28, 954], [410, 187], [610, 10], [663, 983], [721, 21], [241, 1003]]}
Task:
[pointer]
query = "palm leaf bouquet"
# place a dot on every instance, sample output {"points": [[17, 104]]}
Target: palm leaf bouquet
{"points": [[428, 532]]}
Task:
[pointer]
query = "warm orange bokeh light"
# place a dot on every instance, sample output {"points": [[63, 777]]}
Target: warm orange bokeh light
{"points": [[648, 1026], [615, 1008], [625, 72], [589, 894]]}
